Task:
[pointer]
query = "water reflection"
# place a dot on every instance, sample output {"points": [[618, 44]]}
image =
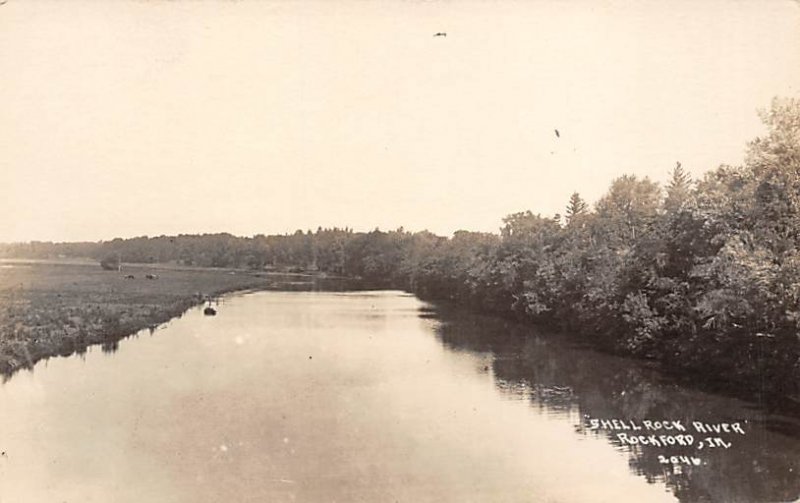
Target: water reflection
{"points": [[312, 283], [302, 397], [110, 347], [564, 380], [363, 396]]}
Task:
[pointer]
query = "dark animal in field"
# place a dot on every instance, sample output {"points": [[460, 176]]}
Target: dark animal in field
{"points": [[151, 276], [209, 311], [130, 276], [440, 34]]}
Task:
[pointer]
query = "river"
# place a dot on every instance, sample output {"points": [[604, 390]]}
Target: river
{"points": [[369, 396]]}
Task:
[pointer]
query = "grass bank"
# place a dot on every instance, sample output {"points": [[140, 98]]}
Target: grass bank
{"points": [[52, 308]]}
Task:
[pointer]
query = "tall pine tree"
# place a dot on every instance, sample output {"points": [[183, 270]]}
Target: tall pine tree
{"points": [[679, 189], [576, 207]]}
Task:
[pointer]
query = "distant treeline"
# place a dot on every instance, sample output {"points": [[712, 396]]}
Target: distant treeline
{"points": [[702, 275], [322, 250]]}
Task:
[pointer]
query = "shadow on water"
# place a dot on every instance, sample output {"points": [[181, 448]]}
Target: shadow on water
{"points": [[563, 380]]}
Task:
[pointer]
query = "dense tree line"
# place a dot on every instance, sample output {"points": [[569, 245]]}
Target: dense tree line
{"points": [[699, 274], [321, 250]]}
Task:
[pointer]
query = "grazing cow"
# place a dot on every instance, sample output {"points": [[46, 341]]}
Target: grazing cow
{"points": [[130, 276], [152, 276]]}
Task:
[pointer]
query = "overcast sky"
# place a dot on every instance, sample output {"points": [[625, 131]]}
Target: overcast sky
{"points": [[149, 118]]}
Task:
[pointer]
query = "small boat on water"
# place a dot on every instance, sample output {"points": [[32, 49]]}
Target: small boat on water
{"points": [[209, 311]]}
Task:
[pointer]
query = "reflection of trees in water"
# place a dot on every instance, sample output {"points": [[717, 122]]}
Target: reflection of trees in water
{"points": [[311, 283], [562, 379], [110, 347]]}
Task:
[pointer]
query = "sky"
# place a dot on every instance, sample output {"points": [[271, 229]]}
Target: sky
{"points": [[131, 118]]}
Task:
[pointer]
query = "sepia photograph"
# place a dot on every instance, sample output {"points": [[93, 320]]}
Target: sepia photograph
{"points": [[399, 251]]}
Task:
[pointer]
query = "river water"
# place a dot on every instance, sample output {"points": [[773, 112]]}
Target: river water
{"points": [[369, 396]]}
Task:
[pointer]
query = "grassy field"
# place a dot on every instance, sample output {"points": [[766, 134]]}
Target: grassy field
{"points": [[51, 308]]}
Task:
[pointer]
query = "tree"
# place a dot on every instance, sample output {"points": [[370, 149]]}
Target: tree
{"points": [[774, 160], [628, 209], [576, 207], [679, 189]]}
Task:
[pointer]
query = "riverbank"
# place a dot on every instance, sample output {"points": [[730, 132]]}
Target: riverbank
{"points": [[58, 308]]}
